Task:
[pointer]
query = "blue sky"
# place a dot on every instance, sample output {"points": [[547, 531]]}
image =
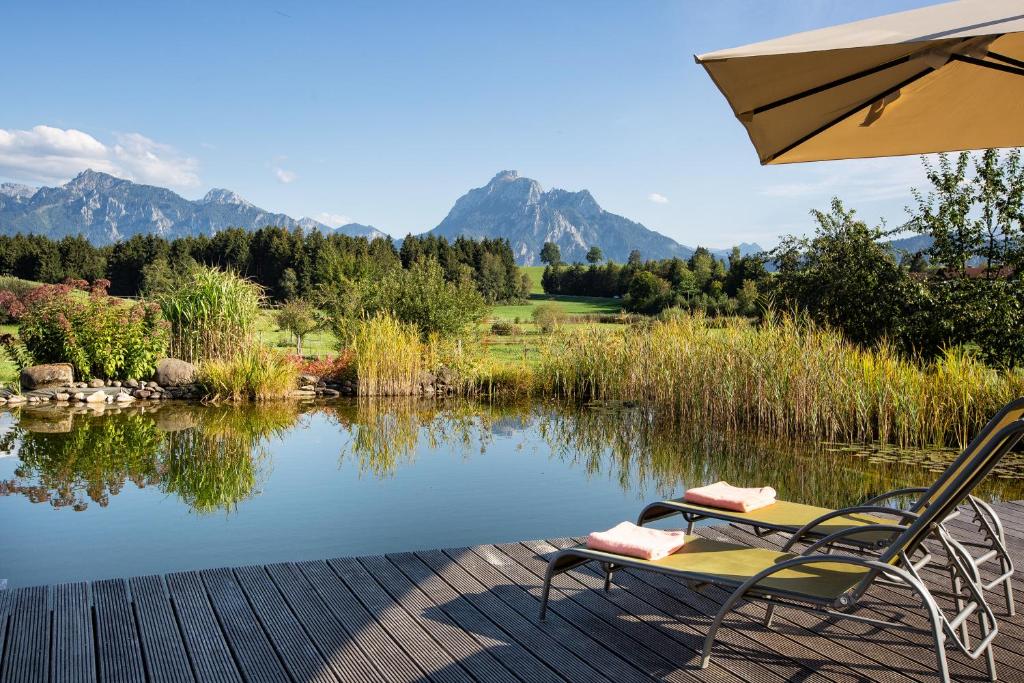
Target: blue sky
{"points": [[385, 113]]}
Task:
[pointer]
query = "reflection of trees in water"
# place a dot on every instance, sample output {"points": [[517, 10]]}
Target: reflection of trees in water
{"points": [[211, 457], [384, 434], [644, 451], [90, 462]]}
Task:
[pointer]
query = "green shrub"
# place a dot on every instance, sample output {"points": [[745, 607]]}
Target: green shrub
{"points": [[504, 328], [212, 314], [99, 335], [419, 296], [254, 373], [548, 317]]}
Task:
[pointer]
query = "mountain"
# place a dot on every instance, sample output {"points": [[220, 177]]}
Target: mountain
{"points": [[910, 245], [520, 210], [106, 209]]}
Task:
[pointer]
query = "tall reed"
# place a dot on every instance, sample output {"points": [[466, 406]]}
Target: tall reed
{"points": [[785, 378], [212, 313], [253, 373], [389, 356]]}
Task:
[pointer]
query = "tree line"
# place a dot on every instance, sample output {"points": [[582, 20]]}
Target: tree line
{"points": [[701, 282], [286, 263]]}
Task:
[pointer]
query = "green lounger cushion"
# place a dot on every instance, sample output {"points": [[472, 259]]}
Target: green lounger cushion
{"points": [[730, 564], [784, 515]]}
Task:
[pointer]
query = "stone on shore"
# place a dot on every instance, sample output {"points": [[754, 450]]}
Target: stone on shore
{"points": [[172, 372], [47, 376]]}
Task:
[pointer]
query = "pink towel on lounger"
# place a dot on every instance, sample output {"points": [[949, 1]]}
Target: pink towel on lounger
{"points": [[728, 497], [637, 541]]}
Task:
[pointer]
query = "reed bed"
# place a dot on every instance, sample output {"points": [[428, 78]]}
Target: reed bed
{"points": [[254, 373], [389, 356], [212, 314], [785, 378]]}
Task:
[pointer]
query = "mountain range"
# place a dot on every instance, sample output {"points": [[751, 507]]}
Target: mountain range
{"points": [[106, 209]]}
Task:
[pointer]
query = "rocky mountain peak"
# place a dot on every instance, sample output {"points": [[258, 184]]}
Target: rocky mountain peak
{"points": [[16, 190], [219, 195], [90, 180]]}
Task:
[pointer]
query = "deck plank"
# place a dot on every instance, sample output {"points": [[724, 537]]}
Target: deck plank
{"points": [[545, 642], [27, 654], [415, 641], [389, 657], [162, 646], [474, 657], [334, 643], [208, 652], [293, 646], [73, 659], [490, 634], [119, 650], [253, 652]]}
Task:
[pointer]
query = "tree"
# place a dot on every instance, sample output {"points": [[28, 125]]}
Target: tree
{"points": [[298, 318], [548, 317], [550, 254], [746, 297], [846, 278], [648, 293], [423, 297], [634, 258], [595, 255], [288, 284]]}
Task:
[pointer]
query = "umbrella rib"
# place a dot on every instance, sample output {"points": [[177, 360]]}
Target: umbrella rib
{"points": [[841, 81], [826, 86], [839, 119], [1003, 58], [1005, 68]]}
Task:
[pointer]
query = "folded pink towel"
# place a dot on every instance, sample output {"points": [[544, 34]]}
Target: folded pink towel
{"points": [[637, 541], [728, 497]]}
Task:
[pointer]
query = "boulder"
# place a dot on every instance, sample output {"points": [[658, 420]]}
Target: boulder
{"points": [[171, 372], [306, 379], [96, 397], [45, 376], [96, 384]]}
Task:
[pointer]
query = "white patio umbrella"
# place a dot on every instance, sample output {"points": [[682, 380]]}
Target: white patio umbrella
{"points": [[942, 78]]}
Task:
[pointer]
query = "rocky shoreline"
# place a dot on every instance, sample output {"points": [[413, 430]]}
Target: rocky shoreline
{"points": [[174, 380]]}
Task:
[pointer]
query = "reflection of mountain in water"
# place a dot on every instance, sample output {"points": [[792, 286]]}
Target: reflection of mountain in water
{"points": [[213, 457]]}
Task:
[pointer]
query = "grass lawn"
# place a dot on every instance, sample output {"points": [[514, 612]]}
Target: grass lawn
{"points": [[319, 343], [8, 373]]}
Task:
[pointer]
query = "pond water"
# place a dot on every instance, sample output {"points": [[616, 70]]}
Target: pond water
{"points": [[87, 495]]}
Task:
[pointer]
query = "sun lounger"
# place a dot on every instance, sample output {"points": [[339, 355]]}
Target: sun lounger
{"points": [[832, 584], [808, 523]]}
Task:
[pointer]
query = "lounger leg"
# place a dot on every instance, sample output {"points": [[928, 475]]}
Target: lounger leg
{"points": [[768, 614], [1008, 585], [990, 657], [546, 591], [609, 569], [709, 640], [965, 634]]}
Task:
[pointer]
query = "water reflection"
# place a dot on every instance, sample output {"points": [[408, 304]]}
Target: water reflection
{"points": [[212, 458]]}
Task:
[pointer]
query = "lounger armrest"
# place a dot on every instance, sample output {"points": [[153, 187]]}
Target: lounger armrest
{"points": [[895, 493], [852, 531], [904, 515]]}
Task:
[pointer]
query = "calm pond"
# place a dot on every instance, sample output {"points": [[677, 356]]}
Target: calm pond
{"points": [[87, 495]]}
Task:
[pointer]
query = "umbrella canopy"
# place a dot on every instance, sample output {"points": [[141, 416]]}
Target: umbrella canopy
{"points": [[943, 78]]}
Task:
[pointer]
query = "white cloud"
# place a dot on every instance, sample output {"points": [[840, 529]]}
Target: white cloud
{"points": [[284, 176], [657, 198], [333, 219], [47, 154], [854, 180]]}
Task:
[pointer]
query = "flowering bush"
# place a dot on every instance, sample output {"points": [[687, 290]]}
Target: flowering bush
{"points": [[99, 335], [329, 368]]}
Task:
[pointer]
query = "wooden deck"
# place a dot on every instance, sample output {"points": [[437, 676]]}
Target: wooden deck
{"points": [[467, 614]]}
